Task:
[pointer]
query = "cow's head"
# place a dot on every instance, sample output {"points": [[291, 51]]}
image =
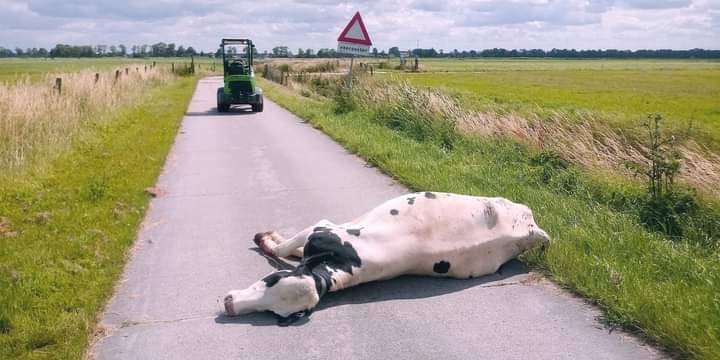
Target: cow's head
{"points": [[292, 294], [289, 294]]}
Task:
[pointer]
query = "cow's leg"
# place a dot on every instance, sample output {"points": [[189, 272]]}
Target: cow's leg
{"points": [[271, 243]]}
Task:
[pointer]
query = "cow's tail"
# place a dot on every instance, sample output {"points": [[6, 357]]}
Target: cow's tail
{"points": [[540, 234]]}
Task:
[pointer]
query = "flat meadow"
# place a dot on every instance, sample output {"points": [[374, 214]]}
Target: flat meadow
{"points": [[13, 69], [621, 92]]}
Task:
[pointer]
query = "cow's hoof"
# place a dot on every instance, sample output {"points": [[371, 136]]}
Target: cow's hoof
{"points": [[261, 240], [229, 305]]}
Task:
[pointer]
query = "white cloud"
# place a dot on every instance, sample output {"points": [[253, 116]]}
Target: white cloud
{"points": [[469, 24]]}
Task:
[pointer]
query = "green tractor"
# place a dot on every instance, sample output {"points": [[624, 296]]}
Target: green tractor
{"points": [[239, 80]]}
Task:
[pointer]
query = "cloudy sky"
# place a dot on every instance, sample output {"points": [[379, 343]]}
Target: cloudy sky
{"points": [[468, 24]]}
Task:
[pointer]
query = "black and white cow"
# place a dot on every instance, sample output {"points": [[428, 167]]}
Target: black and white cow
{"points": [[436, 234]]}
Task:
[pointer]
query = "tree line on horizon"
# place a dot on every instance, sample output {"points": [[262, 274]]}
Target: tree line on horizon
{"points": [[162, 49], [93, 51]]}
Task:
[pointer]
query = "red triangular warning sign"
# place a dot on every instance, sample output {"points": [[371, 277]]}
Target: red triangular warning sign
{"points": [[355, 32]]}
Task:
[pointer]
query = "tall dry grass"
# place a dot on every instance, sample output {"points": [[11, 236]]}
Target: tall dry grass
{"points": [[35, 120], [580, 137]]}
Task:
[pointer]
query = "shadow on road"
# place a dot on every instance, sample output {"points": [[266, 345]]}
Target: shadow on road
{"points": [[277, 263], [236, 110], [402, 288]]}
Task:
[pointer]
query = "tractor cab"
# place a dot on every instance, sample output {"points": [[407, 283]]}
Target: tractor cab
{"points": [[238, 76]]}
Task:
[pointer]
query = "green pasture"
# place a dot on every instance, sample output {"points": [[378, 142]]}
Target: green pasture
{"points": [[686, 92], [664, 290], [65, 228], [13, 69]]}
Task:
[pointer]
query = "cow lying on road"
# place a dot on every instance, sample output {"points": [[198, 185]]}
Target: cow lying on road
{"points": [[436, 234]]}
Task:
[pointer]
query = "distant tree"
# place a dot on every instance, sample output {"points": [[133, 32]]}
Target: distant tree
{"points": [[190, 51], [170, 50], [394, 51], [19, 52], [123, 50], [280, 51], [374, 52], [6, 53], [180, 51], [158, 49]]}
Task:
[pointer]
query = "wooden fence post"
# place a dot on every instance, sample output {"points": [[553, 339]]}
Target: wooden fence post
{"points": [[172, 66], [117, 75], [58, 85], [97, 77], [126, 71]]}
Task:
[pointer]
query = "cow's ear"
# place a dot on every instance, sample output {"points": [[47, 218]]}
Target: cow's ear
{"points": [[292, 318]]}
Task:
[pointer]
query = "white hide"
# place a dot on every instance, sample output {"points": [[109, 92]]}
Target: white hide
{"points": [[416, 234], [475, 235]]}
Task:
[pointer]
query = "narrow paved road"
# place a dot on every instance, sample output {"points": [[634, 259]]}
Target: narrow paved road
{"points": [[231, 175]]}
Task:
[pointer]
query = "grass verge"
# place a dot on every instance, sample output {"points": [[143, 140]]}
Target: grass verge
{"points": [[669, 291], [65, 228]]}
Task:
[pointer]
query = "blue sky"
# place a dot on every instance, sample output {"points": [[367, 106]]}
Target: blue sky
{"points": [[447, 25]]}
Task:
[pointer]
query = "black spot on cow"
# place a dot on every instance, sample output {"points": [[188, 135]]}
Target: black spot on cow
{"points": [[273, 278], [430, 195], [394, 212], [321, 228], [491, 215], [441, 267], [411, 200], [354, 232], [327, 248]]}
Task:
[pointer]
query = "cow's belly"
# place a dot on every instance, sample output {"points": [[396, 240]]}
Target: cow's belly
{"points": [[391, 260]]}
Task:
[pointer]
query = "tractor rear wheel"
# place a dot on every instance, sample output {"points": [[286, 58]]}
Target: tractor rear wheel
{"points": [[259, 106], [221, 105]]}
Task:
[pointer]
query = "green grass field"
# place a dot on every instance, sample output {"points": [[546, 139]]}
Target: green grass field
{"points": [[687, 93], [13, 69], [66, 226], [666, 290]]}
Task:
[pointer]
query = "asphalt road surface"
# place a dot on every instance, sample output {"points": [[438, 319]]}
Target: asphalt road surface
{"points": [[229, 176]]}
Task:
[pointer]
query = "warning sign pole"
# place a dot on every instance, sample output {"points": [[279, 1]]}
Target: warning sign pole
{"points": [[349, 78], [354, 41]]}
